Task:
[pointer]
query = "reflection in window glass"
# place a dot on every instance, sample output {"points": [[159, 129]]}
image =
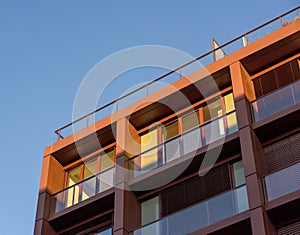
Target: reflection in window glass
{"points": [[90, 168], [238, 172], [150, 158], [212, 110], [107, 160], [150, 211], [73, 193], [73, 176], [229, 103], [190, 121], [170, 130]]}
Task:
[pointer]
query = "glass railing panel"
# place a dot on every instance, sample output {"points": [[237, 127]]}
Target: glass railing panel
{"points": [[220, 207], [201, 215], [106, 232], [231, 123], [186, 221], [214, 130], [296, 89], [106, 180], [283, 182], [276, 101], [146, 161], [171, 149], [88, 188], [241, 204], [83, 190], [191, 140]]}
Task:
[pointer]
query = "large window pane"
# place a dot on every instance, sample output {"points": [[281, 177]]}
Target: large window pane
{"points": [[149, 159], [212, 110], [190, 121], [238, 173], [107, 160], [90, 168], [229, 103], [73, 176], [150, 211], [169, 131]]}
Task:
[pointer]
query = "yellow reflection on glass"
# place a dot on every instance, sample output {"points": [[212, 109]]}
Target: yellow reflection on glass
{"points": [[229, 103], [150, 158]]}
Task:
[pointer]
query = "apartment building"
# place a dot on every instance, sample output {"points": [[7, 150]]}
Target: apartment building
{"points": [[146, 172]]}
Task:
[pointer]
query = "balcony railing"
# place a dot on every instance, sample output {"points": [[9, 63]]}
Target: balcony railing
{"points": [[183, 144], [176, 74], [200, 215], [283, 182], [83, 190], [276, 101]]}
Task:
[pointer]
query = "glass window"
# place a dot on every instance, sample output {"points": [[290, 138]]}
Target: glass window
{"points": [[170, 130], [212, 110], [150, 211], [90, 168], [74, 176], [149, 159], [238, 174], [107, 160], [190, 121], [229, 103]]}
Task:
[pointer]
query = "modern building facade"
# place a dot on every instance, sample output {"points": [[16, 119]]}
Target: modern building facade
{"points": [[147, 171]]}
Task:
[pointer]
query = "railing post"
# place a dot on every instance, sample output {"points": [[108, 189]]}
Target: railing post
{"points": [[87, 120], [117, 105], [147, 89], [58, 135]]}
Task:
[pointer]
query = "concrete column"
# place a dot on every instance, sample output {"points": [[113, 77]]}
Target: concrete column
{"points": [[52, 181], [251, 150], [127, 207]]}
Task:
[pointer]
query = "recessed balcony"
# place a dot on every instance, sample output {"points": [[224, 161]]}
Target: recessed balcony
{"points": [[83, 190], [185, 143], [282, 182], [276, 101], [205, 213]]}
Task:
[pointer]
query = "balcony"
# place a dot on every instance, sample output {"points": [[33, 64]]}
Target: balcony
{"points": [[276, 101], [185, 143], [282, 182], [83, 190], [200, 215]]}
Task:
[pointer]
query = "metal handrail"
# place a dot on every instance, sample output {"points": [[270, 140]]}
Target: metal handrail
{"points": [[58, 131]]}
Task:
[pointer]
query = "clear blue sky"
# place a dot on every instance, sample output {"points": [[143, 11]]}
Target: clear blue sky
{"points": [[46, 49]]}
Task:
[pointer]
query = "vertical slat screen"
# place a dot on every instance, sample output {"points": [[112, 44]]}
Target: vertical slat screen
{"points": [[196, 189], [282, 153]]}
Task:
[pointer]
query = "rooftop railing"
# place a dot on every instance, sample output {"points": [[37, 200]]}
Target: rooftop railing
{"points": [[176, 74], [83, 190], [180, 145], [200, 215], [282, 182], [276, 101]]}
